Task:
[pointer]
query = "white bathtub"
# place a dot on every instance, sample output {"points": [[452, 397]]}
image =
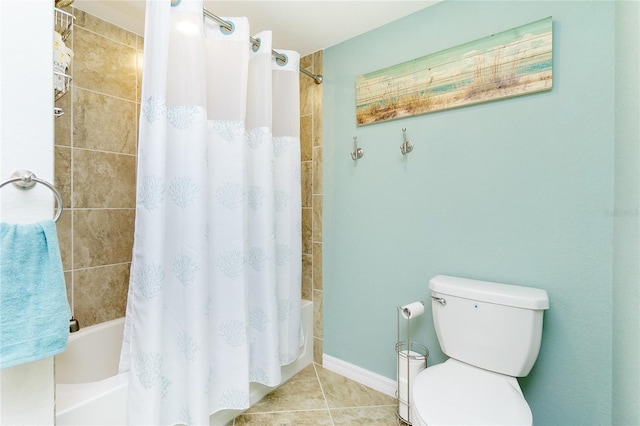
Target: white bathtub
{"points": [[89, 390]]}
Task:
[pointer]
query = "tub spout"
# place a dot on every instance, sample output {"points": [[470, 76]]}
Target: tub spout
{"points": [[74, 325]]}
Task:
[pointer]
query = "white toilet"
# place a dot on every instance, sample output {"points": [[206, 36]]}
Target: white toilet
{"points": [[492, 333]]}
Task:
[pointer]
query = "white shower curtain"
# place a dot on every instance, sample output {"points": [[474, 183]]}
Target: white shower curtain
{"points": [[214, 294]]}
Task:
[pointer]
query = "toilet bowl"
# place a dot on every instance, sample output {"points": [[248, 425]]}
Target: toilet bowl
{"points": [[491, 333], [454, 393]]}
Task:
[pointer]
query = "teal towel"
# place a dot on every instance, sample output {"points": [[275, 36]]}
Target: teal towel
{"points": [[34, 311]]}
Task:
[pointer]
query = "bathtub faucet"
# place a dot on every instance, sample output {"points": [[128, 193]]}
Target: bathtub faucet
{"points": [[74, 325]]}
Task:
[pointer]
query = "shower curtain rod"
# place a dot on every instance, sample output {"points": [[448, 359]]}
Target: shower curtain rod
{"points": [[256, 43]]}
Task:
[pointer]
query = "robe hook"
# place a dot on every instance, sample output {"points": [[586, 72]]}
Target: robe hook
{"points": [[357, 152], [406, 146]]}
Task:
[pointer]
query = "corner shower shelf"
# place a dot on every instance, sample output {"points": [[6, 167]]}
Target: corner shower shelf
{"points": [[62, 22], [64, 81], [63, 25]]}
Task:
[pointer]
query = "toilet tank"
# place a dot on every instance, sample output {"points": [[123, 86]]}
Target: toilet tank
{"points": [[493, 326]]}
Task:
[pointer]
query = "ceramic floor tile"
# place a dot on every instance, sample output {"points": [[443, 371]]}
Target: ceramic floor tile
{"points": [[302, 392], [306, 418], [316, 396], [371, 416], [341, 392]]}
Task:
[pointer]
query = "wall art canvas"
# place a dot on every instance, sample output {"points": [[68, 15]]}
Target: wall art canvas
{"points": [[511, 63]]}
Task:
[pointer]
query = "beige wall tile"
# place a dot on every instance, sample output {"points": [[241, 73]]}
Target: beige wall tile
{"points": [[137, 125], [63, 229], [317, 170], [62, 173], [306, 95], [318, 58], [68, 277], [317, 218], [317, 266], [100, 293], [317, 102], [102, 237], [104, 122], [306, 128], [307, 187], [62, 125], [139, 61], [311, 122], [318, 329], [317, 350], [103, 180], [317, 117], [103, 65], [306, 62], [96, 140], [307, 271], [306, 231], [104, 28]]}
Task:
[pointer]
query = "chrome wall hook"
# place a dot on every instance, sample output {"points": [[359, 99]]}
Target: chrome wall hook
{"points": [[357, 152], [406, 146]]}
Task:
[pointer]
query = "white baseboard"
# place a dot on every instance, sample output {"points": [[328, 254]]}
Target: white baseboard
{"points": [[360, 375]]}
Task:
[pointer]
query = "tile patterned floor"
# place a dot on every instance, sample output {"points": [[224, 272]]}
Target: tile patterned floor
{"points": [[317, 396]]}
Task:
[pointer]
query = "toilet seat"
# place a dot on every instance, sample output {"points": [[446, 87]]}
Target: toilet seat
{"points": [[459, 394]]}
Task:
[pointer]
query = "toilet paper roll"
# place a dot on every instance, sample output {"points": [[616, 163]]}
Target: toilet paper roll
{"points": [[412, 310], [409, 365], [403, 411], [408, 369]]}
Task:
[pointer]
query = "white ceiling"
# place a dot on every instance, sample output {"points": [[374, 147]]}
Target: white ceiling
{"points": [[304, 26]]}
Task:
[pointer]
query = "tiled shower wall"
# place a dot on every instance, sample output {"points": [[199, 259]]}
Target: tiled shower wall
{"points": [[95, 164], [311, 153]]}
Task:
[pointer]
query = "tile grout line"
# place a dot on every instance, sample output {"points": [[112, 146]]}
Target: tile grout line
{"points": [[255, 417], [110, 38], [109, 95], [105, 152], [259, 413], [72, 93], [326, 403]]}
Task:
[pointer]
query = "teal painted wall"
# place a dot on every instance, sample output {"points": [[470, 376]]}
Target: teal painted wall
{"points": [[626, 239], [515, 191]]}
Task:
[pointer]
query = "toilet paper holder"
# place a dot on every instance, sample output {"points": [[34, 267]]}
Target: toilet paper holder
{"points": [[412, 358]]}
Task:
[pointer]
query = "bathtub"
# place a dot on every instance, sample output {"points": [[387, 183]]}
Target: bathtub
{"points": [[89, 390]]}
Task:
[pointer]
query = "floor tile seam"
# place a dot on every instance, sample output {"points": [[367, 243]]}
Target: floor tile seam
{"points": [[326, 403], [348, 407], [284, 411], [362, 406]]}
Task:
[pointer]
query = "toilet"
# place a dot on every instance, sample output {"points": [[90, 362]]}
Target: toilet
{"points": [[491, 333]]}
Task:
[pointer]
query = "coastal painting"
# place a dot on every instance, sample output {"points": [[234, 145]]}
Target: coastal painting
{"points": [[511, 63]]}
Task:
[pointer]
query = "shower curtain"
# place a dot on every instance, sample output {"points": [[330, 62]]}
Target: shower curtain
{"points": [[214, 293]]}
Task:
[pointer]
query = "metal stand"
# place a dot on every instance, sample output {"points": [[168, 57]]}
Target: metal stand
{"points": [[406, 351]]}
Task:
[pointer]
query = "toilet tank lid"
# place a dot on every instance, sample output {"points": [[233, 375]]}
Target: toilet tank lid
{"points": [[484, 291]]}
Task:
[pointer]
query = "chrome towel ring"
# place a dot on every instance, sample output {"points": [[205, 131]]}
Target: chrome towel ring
{"points": [[26, 179]]}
